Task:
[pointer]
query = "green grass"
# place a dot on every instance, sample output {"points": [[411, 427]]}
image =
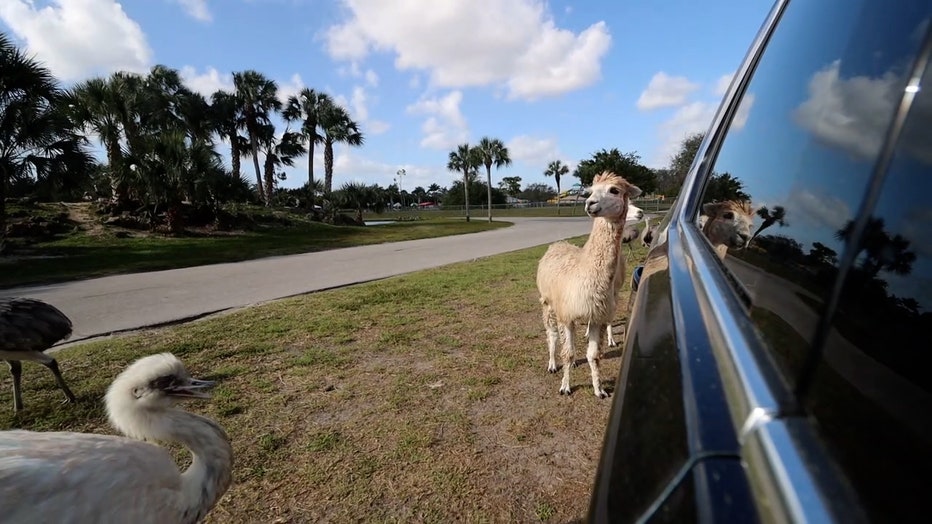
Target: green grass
{"points": [[79, 255], [417, 398]]}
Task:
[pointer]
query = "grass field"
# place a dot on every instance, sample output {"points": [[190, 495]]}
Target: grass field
{"points": [[421, 398]]}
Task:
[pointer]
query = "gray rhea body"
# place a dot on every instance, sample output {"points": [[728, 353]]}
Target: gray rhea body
{"points": [[77, 477], [28, 328]]}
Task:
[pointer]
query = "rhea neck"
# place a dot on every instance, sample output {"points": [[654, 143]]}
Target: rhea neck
{"points": [[209, 474]]}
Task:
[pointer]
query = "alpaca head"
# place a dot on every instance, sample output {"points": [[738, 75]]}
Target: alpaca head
{"points": [[609, 196], [728, 223]]}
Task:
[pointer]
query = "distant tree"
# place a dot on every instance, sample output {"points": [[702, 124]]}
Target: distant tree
{"points": [[683, 159], [477, 194], [491, 151], [820, 254], [257, 97], [537, 193], [464, 160], [724, 187], [627, 165], [557, 169], [511, 185], [337, 127], [666, 182], [306, 107]]}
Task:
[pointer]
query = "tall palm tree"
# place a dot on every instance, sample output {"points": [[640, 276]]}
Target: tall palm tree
{"points": [[37, 139], [464, 160], [95, 106], [337, 126], [258, 98], [492, 151], [307, 107], [556, 169], [279, 152], [224, 109]]}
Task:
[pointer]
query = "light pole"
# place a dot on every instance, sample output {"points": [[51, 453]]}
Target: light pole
{"points": [[398, 175]]}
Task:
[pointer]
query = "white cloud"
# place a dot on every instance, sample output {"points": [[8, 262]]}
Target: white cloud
{"points": [[445, 126], [357, 105], [691, 118], [462, 43], [722, 84], [196, 9], [851, 113], [372, 78], [820, 210], [79, 38], [208, 82], [664, 90], [533, 151], [289, 88]]}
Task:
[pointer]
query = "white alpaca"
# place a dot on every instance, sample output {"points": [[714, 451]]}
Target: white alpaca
{"points": [[579, 284], [727, 224], [79, 477]]}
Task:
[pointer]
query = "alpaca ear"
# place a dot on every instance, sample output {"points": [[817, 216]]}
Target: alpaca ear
{"points": [[710, 208], [633, 191]]}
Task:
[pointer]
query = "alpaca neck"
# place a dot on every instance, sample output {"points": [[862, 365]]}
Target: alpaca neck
{"points": [[209, 474], [602, 249]]}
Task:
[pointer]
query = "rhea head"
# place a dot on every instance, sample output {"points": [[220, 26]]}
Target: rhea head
{"points": [[149, 386]]}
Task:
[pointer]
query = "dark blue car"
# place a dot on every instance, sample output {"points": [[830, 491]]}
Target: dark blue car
{"points": [[777, 360]]}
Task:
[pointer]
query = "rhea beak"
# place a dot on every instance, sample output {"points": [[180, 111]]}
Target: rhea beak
{"points": [[193, 389]]}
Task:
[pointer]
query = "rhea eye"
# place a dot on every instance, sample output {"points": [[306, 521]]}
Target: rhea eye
{"points": [[728, 215], [164, 382], [613, 191]]}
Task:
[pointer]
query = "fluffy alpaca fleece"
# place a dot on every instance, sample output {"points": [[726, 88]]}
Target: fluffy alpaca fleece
{"points": [[578, 285], [727, 224]]}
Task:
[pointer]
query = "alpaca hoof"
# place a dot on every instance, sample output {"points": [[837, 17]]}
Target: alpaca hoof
{"points": [[565, 390], [552, 368], [600, 393]]}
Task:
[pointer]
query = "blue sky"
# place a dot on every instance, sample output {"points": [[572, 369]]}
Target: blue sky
{"points": [[553, 80]]}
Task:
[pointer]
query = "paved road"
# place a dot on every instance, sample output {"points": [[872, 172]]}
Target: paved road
{"points": [[102, 306]]}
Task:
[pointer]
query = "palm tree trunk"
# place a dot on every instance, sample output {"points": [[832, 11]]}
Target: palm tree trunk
{"points": [[328, 165], [3, 181], [310, 174], [117, 187], [269, 179], [255, 163], [235, 158], [558, 196], [488, 177], [466, 189]]}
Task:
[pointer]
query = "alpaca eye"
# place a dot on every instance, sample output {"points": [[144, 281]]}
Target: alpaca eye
{"points": [[728, 215], [613, 190]]}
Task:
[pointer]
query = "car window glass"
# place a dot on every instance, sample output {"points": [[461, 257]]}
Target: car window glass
{"points": [[872, 393], [794, 164]]}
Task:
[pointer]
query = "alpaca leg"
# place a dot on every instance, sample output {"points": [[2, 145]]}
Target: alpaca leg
{"points": [[593, 355], [53, 366], [611, 336], [553, 338], [568, 356], [16, 369]]}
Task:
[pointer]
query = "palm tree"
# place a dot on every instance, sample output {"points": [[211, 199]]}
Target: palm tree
{"points": [[464, 160], [556, 169], [258, 98], [337, 126], [492, 151], [37, 139], [355, 195], [224, 108], [307, 107], [279, 152], [96, 108], [777, 216]]}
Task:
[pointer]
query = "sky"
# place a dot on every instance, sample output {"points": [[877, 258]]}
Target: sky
{"points": [[555, 80]]}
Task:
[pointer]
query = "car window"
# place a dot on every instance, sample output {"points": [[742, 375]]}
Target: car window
{"points": [[794, 163], [872, 393]]}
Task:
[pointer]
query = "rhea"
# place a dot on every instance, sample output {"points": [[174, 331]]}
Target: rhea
{"points": [[80, 477], [28, 328]]}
